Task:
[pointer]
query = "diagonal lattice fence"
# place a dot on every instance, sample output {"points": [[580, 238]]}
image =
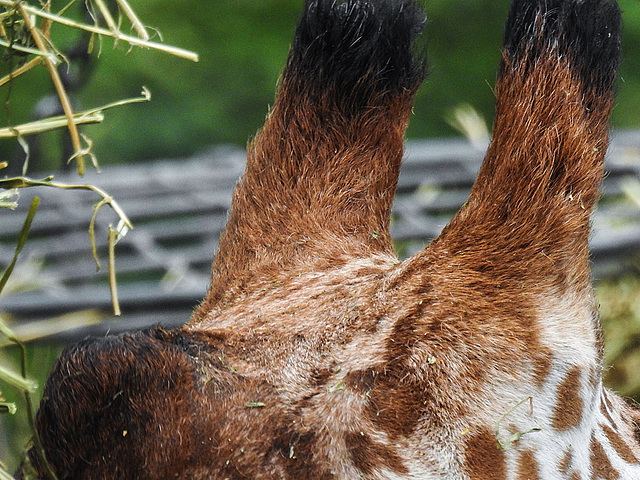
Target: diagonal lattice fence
{"points": [[179, 207]]}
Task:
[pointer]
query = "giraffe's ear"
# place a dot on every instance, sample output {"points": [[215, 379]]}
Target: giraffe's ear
{"points": [[587, 33], [356, 51], [321, 174], [105, 405]]}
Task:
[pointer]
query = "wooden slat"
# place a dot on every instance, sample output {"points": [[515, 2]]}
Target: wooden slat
{"points": [[179, 208]]}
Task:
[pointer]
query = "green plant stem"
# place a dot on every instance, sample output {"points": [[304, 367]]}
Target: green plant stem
{"points": [[8, 407], [20, 48], [17, 381], [24, 182], [37, 443], [24, 233], [106, 14], [23, 384], [113, 236], [138, 42], [59, 87], [94, 115], [20, 70], [133, 18], [48, 124], [5, 475]]}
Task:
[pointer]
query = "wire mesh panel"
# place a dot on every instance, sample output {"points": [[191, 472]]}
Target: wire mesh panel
{"points": [[179, 208]]}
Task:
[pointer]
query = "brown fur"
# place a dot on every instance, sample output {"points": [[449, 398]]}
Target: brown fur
{"points": [[317, 354]]}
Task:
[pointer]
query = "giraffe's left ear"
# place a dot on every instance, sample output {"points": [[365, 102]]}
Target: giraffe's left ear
{"points": [[356, 51]]}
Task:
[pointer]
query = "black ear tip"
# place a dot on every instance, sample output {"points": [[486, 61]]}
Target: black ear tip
{"points": [[563, 21], [585, 31], [340, 43]]}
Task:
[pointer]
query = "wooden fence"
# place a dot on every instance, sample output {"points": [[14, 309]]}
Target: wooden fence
{"points": [[179, 207]]}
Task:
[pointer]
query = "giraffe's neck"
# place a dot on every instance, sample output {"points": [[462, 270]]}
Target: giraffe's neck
{"points": [[600, 445], [572, 429]]}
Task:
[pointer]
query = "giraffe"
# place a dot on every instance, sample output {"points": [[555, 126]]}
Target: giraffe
{"points": [[317, 353]]}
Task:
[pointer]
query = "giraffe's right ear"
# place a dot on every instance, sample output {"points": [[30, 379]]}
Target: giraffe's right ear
{"points": [[586, 32]]}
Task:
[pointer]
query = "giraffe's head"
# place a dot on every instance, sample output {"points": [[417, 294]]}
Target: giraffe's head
{"points": [[317, 353]]}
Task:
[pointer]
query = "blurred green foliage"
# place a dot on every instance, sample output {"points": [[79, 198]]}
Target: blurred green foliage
{"points": [[619, 302], [15, 433], [243, 47]]}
